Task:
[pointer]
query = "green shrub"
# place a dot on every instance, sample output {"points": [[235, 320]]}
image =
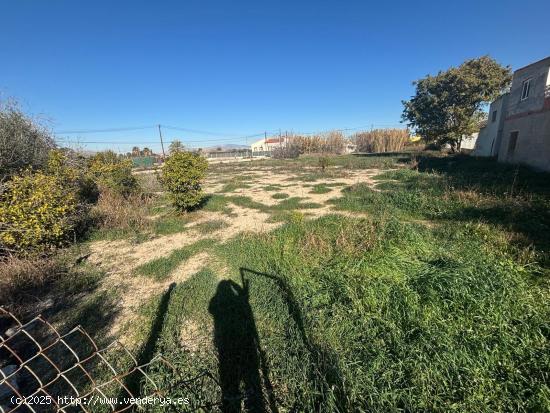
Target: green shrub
{"points": [[36, 211], [109, 171], [182, 176]]}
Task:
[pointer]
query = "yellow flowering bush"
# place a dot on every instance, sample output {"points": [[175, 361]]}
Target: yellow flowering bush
{"points": [[113, 173], [182, 177], [37, 210], [72, 171]]}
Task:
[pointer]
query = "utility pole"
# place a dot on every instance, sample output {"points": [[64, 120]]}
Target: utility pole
{"points": [[161, 143]]}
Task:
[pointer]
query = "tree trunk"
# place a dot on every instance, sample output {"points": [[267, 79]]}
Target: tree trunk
{"points": [[453, 145]]}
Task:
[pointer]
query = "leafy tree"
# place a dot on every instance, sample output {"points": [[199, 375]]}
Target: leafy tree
{"points": [[147, 152], [176, 146], [182, 177], [449, 105], [136, 151]]}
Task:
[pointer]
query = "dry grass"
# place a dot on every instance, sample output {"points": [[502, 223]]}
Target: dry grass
{"points": [[21, 278], [114, 211], [382, 140]]}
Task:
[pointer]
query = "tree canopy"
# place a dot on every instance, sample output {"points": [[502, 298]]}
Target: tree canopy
{"points": [[451, 104], [176, 146]]}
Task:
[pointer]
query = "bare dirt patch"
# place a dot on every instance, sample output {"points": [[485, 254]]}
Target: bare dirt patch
{"points": [[120, 258], [295, 188]]}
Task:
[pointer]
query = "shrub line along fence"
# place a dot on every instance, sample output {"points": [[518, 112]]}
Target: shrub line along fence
{"points": [[42, 370]]}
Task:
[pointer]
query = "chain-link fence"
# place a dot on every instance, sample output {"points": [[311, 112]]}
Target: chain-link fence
{"points": [[42, 370]]}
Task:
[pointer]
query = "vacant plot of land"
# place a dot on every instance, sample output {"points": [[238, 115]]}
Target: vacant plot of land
{"points": [[378, 284]]}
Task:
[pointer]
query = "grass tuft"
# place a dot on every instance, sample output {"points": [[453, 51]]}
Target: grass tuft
{"points": [[160, 268], [211, 226], [279, 195]]}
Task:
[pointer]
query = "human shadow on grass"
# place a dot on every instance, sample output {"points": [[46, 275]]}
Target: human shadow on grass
{"points": [[324, 369], [239, 349], [132, 381]]}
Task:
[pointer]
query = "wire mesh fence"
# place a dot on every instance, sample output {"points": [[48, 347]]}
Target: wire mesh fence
{"points": [[42, 370]]}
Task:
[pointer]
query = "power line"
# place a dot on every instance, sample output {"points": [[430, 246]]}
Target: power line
{"points": [[199, 131], [132, 128], [140, 142], [154, 141], [66, 132]]}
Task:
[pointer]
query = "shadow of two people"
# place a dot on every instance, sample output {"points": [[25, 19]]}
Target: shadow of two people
{"points": [[240, 355]]}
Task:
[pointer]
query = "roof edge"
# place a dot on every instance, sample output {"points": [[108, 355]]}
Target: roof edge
{"points": [[534, 63]]}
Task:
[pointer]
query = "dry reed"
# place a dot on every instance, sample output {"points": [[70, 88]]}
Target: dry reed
{"points": [[381, 140]]}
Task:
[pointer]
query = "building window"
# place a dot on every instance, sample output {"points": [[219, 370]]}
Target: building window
{"points": [[513, 142], [494, 116], [525, 89]]}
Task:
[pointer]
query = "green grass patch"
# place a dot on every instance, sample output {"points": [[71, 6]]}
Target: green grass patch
{"points": [[381, 313], [279, 195], [171, 224], [286, 204], [233, 186], [309, 177], [407, 291], [270, 188], [217, 203], [246, 202], [388, 186], [295, 203], [320, 189], [160, 268], [211, 226]]}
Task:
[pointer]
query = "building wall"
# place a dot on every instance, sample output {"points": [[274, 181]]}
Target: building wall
{"points": [[488, 141], [258, 146], [469, 142], [263, 146], [530, 118]]}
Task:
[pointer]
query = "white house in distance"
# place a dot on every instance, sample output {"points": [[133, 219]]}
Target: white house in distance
{"points": [[267, 144]]}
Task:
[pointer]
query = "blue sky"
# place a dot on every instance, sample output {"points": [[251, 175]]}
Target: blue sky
{"points": [[242, 67]]}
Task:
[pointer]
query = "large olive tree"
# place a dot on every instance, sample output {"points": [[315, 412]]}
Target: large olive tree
{"points": [[451, 104]]}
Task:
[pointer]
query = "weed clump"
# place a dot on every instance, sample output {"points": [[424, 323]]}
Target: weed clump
{"points": [[124, 214], [324, 162]]}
